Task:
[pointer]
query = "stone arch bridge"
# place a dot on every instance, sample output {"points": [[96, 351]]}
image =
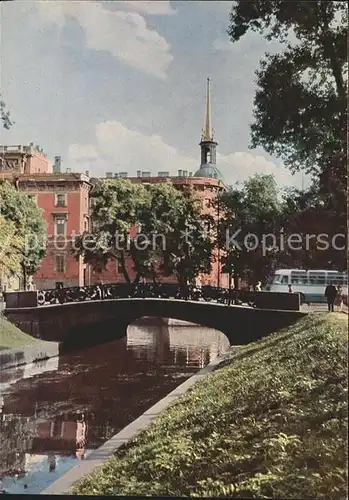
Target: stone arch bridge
{"points": [[74, 322]]}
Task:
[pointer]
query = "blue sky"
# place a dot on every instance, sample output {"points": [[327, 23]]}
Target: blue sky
{"points": [[120, 86]]}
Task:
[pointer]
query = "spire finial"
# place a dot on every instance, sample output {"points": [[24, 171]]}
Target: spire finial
{"points": [[208, 131]]}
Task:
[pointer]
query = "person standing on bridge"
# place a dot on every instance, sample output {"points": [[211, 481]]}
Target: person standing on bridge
{"points": [[339, 299], [330, 294]]}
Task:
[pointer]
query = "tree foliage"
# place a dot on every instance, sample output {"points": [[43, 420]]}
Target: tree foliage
{"points": [[11, 243], [30, 225], [247, 214], [301, 102], [116, 209], [304, 214], [147, 225], [5, 115], [177, 215]]}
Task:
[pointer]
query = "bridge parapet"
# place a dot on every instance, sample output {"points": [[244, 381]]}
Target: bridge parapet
{"points": [[264, 300]]}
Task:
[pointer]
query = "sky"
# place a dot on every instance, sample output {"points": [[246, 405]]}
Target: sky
{"points": [[120, 86]]}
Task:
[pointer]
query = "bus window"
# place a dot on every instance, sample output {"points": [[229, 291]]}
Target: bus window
{"points": [[299, 278], [331, 277], [277, 278], [316, 278], [342, 279], [284, 280]]}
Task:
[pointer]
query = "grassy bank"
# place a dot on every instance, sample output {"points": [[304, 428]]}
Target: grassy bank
{"points": [[11, 337], [270, 423]]}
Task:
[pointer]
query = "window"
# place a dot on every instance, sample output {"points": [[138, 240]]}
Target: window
{"points": [[342, 279], [277, 278], [60, 200], [299, 278], [316, 278], [86, 224], [32, 197], [284, 280], [60, 225], [60, 264], [118, 266]]}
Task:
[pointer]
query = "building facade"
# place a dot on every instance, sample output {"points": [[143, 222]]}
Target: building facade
{"points": [[64, 198]]}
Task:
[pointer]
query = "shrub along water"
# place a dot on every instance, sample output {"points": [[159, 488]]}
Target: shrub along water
{"points": [[271, 422]]}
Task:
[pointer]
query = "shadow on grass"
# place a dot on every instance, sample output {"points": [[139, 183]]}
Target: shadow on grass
{"points": [[266, 343]]}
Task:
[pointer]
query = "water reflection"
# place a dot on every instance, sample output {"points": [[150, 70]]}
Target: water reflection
{"points": [[53, 415]]}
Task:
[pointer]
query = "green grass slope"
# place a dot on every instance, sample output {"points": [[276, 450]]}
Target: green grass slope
{"points": [[270, 423], [11, 337]]}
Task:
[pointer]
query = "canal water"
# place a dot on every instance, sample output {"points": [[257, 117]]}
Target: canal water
{"points": [[54, 413]]}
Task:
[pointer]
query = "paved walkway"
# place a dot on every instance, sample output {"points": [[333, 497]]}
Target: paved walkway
{"points": [[319, 308]]}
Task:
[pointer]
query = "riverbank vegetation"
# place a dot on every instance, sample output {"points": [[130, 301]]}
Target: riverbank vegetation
{"points": [[269, 422], [12, 337]]}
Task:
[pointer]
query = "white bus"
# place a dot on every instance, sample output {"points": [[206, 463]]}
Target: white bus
{"points": [[310, 284]]}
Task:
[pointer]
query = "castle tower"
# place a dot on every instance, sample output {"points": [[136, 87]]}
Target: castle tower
{"points": [[208, 145]]}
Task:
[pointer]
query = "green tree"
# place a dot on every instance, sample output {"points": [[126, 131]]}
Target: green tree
{"points": [[148, 225], [301, 101], [30, 224], [11, 243], [117, 206], [248, 229], [304, 214], [5, 115], [186, 248]]}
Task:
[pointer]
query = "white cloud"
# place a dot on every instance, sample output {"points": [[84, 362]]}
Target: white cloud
{"points": [[241, 165], [156, 8], [125, 35], [119, 149], [222, 45]]}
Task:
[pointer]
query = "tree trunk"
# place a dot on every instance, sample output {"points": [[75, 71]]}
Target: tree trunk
{"points": [[236, 280], [121, 259], [329, 50], [137, 278], [230, 280], [229, 285], [24, 274]]}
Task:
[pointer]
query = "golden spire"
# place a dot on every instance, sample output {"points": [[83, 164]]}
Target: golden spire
{"points": [[207, 136]]}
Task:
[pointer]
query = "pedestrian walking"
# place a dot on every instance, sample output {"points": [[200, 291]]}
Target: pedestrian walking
{"points": [[330, 294], [290, 290], [339, 299], [259, 286]]}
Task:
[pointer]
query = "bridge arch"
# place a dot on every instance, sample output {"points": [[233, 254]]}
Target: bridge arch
{"points": [[58, 322]]}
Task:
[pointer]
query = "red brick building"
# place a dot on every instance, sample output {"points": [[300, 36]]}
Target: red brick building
{"points": [[64, 199]]}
